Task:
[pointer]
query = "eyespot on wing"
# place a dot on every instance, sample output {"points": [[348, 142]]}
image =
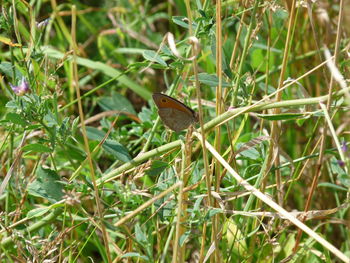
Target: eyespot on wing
{"points": [[164, 101]]}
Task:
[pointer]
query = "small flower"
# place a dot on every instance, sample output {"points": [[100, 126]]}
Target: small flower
{"points": [[344, 147], [21, 89], [42, 24], [341, 163]]}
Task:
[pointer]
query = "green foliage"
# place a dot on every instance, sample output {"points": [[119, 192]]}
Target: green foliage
{"points": [[56, 205], [46, 185]]}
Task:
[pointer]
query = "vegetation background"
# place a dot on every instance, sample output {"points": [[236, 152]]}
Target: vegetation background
{"points": [[90, 174]]}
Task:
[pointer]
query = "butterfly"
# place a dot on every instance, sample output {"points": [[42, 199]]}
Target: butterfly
{"points": [[175, 115]]}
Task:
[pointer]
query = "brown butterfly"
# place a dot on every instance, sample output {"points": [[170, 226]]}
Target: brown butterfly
{"points": [[175, 115]]}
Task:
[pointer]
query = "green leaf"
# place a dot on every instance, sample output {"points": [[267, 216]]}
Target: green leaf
{"points": [[38, 212], [184, 237], [289, 244], [335, 167], [144, 64], [117, 150], [16, 119], [279, 17], [262, 46], [154, 57], [258, 59], [332, 186], [50, 119], [251, 153], [116, 102], [140, 235], [300, 122], [235, 238], [129, 50], [196, 207], [104, 68], [181, 21], [75, 125], [213, 211], [344, 179], [71, 152], [252, 143], [6, 69], [226, 63], [94, 133], [36, 147], [157, 168], [64, 130], [47, 185], [134, 255], [210, 79]]}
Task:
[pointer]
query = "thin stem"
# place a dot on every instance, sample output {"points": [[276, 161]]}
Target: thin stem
{"points": [[244, 52], [219, 120], [275, 129], [319, 166], [86, 141]]}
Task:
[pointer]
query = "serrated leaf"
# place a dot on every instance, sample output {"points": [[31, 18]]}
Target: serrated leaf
{"points": [[46, 185], [117, 150], [152, 56], [36, 147]]}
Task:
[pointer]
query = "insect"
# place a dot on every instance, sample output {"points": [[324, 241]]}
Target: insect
{"points": [[175, 115]]}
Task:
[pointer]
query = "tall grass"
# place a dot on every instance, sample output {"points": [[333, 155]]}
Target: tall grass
{"points": [[90, 173]]}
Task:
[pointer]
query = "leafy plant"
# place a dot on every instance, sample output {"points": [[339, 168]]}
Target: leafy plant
{"points": [[90, 172]]}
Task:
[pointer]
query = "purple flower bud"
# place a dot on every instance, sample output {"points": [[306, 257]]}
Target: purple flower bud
{"points": [[344, 147], [21, 89], [43, 23], [341, 163]]}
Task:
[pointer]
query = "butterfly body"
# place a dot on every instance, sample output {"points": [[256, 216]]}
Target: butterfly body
{"points": [[175, 115]]}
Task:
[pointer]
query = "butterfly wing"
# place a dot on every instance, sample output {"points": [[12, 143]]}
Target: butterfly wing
{"points": [[175, 119]]}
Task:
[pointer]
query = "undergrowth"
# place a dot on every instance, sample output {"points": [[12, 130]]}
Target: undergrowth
{"points": [[89, 172]]}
